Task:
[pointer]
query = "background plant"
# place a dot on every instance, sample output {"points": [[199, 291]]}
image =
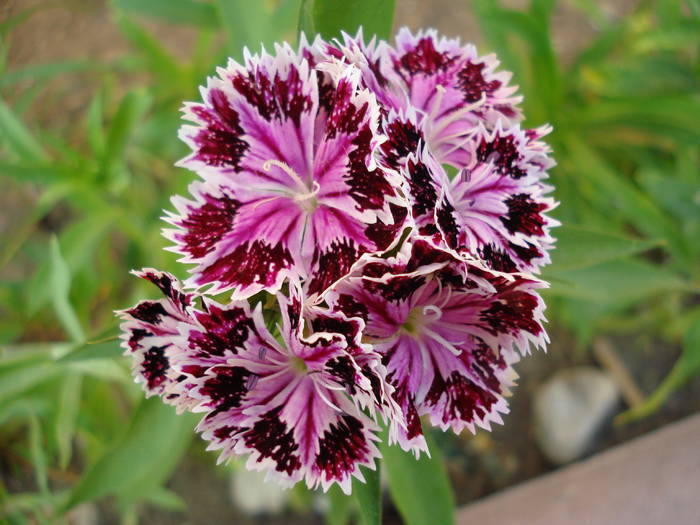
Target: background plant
{"points": [[626, 139]]}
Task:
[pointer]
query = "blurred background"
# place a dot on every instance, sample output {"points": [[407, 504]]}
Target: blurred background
{"points": [[89, 108]]}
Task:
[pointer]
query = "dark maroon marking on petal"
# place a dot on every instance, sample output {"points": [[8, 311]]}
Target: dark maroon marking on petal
{"points": [[511, 312], [445, 217], [226, 389], [376, 269], [344, 371], [137, 335], [506, 110], [423, 254], [424, 58], [205, 225], [472, 82], [504, 154], [465, 400], [165, 281], [524, 215], [219, 143], [342, 446], [345, 117], [407, 403], [279, 98], [403, 138], [270, 437], [449, 276], [497, 259], [257, 263], [337, 325], [368, 188], [377, 384], [526, 254], [485, 363], [376, 69], [333, 264], [227, 432], [224, 331], [420, 182], [429, 230], [294, 312], [334, 51], [155, 366], [350, 307], [194, 370], [148, 311], [326, 92], [382, 234], [397, 288]]}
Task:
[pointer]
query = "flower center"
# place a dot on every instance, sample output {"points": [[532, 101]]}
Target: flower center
{"points": [[419, 317], [298, 365], [306, 198], [437, 123]]}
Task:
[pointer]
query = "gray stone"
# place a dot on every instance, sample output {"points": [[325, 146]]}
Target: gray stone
{"points": [[569, 409], [253, 495]]}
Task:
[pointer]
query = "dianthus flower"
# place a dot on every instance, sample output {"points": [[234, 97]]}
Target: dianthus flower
{"points": [[301, 407], [376, 213], [287, 153], [448, 333]]}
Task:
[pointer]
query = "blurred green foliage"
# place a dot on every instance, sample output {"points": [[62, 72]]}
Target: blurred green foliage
{"points": [[84, 199]]}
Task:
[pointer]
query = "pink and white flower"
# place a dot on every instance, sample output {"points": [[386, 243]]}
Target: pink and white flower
{"points": [[496, 207], [448, 341], [291, 187], [151, 337], [295, 406], [448, 85]]}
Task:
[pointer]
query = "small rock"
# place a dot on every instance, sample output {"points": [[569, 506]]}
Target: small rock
{"points": [[253, 495], [84, 514], [569, 409]]}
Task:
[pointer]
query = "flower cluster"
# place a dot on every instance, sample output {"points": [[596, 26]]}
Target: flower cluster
{"points": [[375, 215]]}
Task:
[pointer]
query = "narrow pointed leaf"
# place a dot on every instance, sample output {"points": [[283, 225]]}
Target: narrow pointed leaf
{"points": [[369, 496], [330, 17], [419, 488]]}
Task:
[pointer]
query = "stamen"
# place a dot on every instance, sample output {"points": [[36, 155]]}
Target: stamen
{"points": [[286, 168], [319, 391], [452, 117], [435, 108], [447, 344], [432, 312], [308, 200]]}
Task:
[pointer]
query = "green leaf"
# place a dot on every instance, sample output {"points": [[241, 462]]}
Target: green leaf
{"points": [[189, 12], [419, 488], [68, 406], [43, 72], [369, 496], [60, 289], [121, 127], [625, 280], [340, 510], [620, 196], [249, 24], [37, 451], [329, 17], [17, 137], [156, 59], [17, 380], [579, 247], [166, 499], [143, 459], [93, 350], [687, 365]]}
